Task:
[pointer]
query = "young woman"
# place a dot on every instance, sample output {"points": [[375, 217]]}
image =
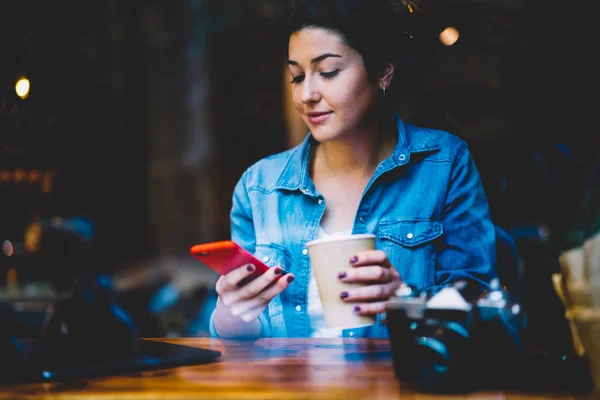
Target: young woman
{"points": [[361, 169]]}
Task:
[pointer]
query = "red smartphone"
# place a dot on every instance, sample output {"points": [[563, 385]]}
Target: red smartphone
{"points": [[225, 256]]}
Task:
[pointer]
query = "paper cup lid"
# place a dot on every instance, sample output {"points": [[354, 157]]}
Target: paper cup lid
{"points": [[337, 238]]}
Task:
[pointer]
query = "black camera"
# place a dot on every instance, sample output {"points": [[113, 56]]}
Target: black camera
{"points": [[448, 340]]}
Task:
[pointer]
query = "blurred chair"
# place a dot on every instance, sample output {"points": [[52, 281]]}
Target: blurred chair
{"points": [[508, 262]]}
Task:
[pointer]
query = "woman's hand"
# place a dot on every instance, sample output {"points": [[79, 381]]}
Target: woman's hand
{"points": [[247, 302], [372, 268]]}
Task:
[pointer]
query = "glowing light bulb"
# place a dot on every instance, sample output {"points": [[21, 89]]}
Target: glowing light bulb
{"points": [[22, 87], [449, 36]]}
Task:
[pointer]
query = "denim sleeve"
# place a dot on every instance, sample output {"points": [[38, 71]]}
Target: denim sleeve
{"points": [[242, 233], [242, 223], [468, 250]]}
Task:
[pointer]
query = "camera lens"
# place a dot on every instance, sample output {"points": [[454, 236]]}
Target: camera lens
{"points": [[441, 352]]}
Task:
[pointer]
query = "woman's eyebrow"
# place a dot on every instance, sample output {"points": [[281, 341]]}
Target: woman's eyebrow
{"points": [[316, 59]]}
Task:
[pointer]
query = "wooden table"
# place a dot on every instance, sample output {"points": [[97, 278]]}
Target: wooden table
{"points": [[266, 369]]}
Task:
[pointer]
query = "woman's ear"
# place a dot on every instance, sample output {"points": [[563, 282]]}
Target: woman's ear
{"points": [[387, 75]]}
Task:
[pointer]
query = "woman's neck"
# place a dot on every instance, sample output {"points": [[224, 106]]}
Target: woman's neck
{"points": [[358, 153]]}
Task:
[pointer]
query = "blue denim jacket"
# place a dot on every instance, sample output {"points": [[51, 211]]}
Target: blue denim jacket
{"points": [[425, 204]]}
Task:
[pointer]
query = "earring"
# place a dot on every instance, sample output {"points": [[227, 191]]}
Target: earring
{"points": [[383, 88]]}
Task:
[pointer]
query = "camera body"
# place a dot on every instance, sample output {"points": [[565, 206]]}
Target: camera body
{"points": [[448, 340]]}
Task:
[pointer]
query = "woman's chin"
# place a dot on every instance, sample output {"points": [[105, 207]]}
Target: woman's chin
{"points": [[322, 134]]}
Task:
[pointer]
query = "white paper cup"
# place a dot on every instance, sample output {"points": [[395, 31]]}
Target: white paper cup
{"points": [[591, 255], [587, 322], [328, 257], [572, 266]]}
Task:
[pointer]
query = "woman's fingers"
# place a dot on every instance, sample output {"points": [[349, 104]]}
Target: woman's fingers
{"points": [[371, 273], [253, 306], [371, 292], [371, 308], [229, 282], [370, 257], [374, 268], [256, 287]]}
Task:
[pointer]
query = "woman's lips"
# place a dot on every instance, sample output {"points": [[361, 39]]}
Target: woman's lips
{"points": [[316, 118]]}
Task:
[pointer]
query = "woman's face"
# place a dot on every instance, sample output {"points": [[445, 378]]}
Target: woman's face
{"points": [[330, 87]]}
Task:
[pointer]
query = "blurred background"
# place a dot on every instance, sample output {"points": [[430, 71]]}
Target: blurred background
{"points": [[124, 126]]}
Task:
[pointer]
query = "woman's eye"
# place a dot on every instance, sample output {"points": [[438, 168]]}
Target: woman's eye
{"points": [[297, 79], [329, 75]]}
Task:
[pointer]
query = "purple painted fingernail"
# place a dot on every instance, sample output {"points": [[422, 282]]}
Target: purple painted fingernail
{"points": [[353, 259], [250, 267], [342, 275], [356, 309], [290, 278], [277, 270], [343, 295]]}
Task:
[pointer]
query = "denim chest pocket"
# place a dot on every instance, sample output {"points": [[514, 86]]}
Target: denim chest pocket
{"points": [[411, 247], [274, 255]]}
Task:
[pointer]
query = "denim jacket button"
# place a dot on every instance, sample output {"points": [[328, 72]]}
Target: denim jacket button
{"points": [[320, 201], [361, 219], [410, 235], [298, 308], [351, 334], [305, 251], [401, 157], [265, 259]]}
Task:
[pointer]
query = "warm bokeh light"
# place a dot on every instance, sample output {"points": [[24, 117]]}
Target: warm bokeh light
{"points": [[34, 176], [33, 236], [47, 179], [410, 5], [449, 36], [5, 176], [22, 88], [19, 175]]}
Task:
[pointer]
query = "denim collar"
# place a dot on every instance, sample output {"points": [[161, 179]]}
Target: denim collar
{"points": [[410, 140]]}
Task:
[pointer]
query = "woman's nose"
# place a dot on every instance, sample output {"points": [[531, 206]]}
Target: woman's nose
{"points": [[310, 91]]}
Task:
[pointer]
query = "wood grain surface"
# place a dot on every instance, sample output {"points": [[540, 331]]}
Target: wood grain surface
{"points": [[266, 369]]}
